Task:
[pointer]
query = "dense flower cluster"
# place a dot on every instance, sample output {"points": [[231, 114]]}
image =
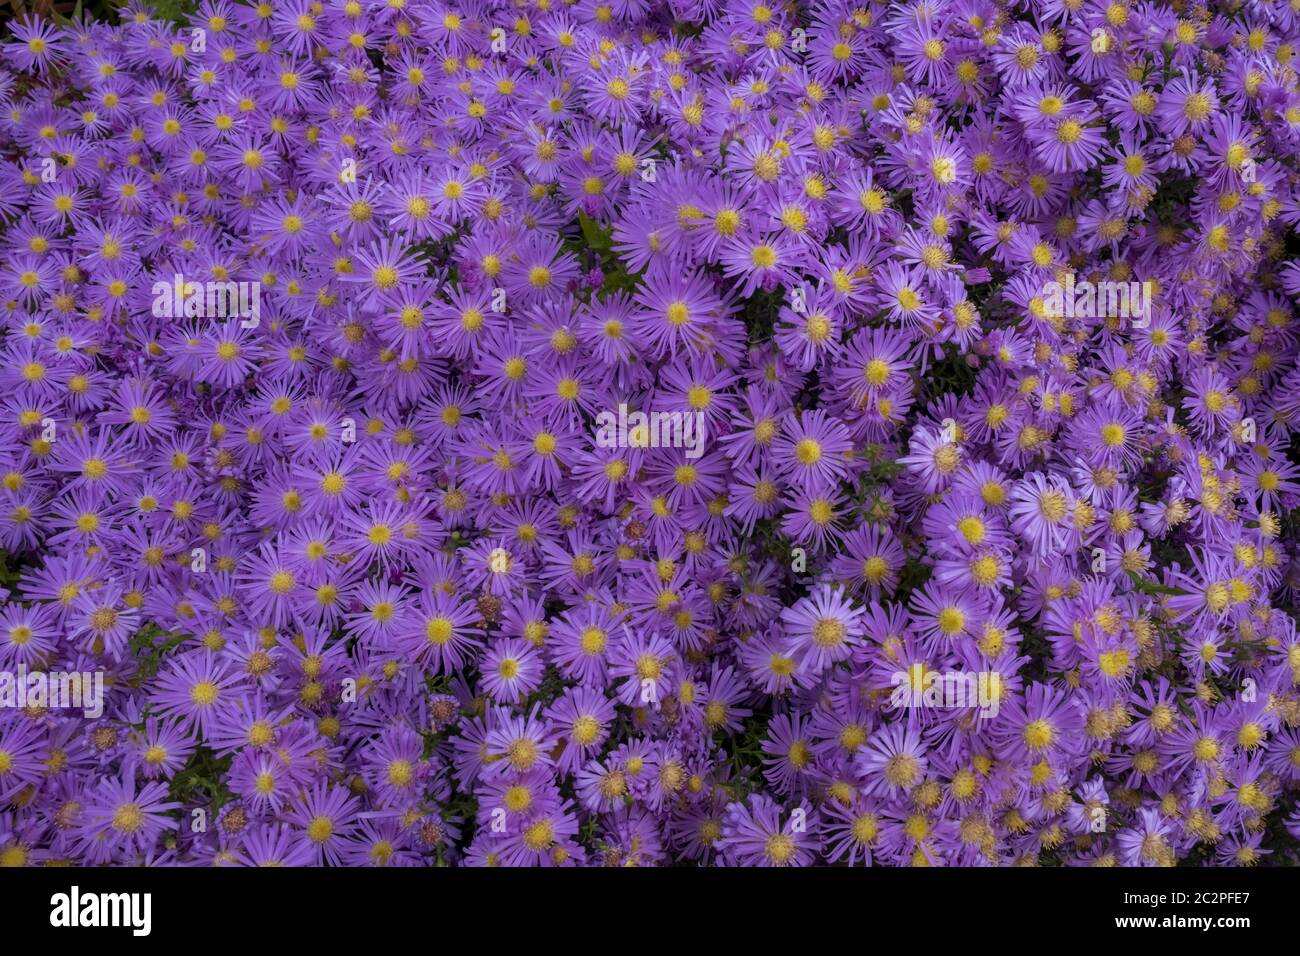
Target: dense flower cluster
{"points": [[629, 432]]}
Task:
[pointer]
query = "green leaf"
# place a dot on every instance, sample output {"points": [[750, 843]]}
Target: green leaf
{"points": [[597, 239]]}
